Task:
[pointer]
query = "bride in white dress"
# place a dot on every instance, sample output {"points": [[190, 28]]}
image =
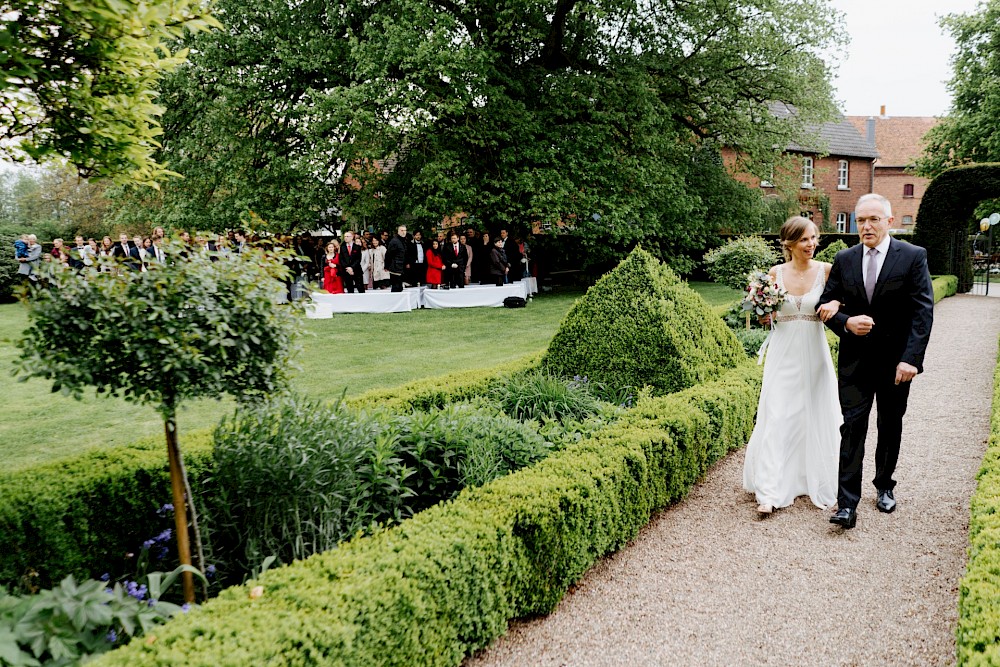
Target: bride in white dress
{"points": [[795, 446]]}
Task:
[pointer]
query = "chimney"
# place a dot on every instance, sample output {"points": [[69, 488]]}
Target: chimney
{"points": [[870, 131], [882, 111]]}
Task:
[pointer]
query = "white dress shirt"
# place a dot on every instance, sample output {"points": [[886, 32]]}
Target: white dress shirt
{"points": [[883, 250]]}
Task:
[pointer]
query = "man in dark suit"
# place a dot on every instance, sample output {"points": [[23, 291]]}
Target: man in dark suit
{"points": [[455, 258], [350, 265], [123, 251], [509, 246], [884, 323], [416, 260]]}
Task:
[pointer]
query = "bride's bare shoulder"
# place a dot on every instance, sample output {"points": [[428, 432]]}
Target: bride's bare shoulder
{"points": [[826, 268], [773, 271]]}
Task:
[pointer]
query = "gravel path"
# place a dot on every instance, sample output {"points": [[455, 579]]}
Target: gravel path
{"points": [[707, 583]]}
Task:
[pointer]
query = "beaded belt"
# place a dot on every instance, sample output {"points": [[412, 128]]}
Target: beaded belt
{"points": [[802, 317]]}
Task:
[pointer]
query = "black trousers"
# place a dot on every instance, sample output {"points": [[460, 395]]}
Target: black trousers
{"points": [[357, 281], [858, 391], [454, 277], [396, 280]]}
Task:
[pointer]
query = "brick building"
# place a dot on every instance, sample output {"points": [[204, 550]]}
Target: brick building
{"points": [[840, 169], [899, 142]]}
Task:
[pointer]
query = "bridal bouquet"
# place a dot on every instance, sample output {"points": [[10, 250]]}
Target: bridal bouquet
{"points": [[763, 295]]}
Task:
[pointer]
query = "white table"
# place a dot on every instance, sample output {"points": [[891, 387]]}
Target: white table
{"points": [[323, 306], [472, 296]]}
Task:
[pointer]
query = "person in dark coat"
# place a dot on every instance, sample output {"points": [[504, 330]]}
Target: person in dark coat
{"points": [[395, 258], [350, 265], [455, 257], [513, 253], [416, 259], [482, 257], [498, 263]]}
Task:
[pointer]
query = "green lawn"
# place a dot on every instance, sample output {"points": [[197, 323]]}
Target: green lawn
{"points": [[348, 352]]}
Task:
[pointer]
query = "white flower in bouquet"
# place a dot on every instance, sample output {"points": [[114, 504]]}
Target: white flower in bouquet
{"points": [[764, 296]]}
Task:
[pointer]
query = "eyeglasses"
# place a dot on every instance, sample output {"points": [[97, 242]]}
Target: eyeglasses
{"points": [[874, 220]]}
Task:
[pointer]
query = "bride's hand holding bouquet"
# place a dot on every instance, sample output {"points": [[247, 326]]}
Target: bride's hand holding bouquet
{"points": [[763, 296]]}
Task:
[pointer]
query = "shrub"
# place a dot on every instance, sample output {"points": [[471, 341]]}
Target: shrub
{"points": [[539, 394], [445, 583], [438, 391], [751, 339], [731, 263], [978, 632], [828, 253], [294, 478], [640, 325], [8, 267], [84, 515], [944, 286]]}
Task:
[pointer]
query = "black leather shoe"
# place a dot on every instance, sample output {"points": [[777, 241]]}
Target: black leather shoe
{"points": [[886, 502], [846, 517]]}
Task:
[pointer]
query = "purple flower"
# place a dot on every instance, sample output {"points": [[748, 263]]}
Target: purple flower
{"points": [[186, 607], [135, 590], [165, 509], [105, 577], [112, 636], [210, 571]]}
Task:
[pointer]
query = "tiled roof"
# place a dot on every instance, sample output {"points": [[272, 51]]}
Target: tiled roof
{"points": [[836, 138], [899, 140]]}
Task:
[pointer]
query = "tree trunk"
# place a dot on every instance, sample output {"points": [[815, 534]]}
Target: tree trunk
{"points": [[180, 508]]}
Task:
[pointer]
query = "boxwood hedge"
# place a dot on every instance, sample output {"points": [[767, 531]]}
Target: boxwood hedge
{"points": [[978, 633], [446, 582]]}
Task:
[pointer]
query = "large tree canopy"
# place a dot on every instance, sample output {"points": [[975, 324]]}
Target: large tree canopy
{"points": [[969, 132], [602, 115], [79, 80]]}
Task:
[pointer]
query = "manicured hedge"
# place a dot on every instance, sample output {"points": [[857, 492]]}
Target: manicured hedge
{"points": [[978, 633], [81, 515], [944, 286], [641, 325], [438, 391], [446, 582]]}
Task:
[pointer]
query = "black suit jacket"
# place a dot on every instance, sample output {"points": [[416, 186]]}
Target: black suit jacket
{"points": [[450, 257], [902, 307], [350, 256]]}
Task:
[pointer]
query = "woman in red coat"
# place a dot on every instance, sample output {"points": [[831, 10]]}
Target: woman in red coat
{"points": [[434, 265], [332, 282]]}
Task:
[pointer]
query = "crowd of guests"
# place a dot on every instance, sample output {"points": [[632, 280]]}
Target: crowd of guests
{"points": [[450, 260], [362, 261], [135, 253]]}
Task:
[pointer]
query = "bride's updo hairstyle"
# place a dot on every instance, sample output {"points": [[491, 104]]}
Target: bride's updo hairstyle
{"points": [[791, 232]]}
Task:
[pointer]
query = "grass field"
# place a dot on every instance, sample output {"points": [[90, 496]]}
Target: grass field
{"points": [[352, 353]]}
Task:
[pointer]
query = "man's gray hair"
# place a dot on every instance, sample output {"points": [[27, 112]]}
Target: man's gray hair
{"points": [[886, 206]]}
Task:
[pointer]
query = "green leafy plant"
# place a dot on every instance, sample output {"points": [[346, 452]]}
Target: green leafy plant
{"points": [[68, 623], [732, 262], [540, 395], [828, 253]]}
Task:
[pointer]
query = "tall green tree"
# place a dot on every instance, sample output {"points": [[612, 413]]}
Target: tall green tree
{"points": [[595, 115], [191, 328], [80, 77], [969, 132]]}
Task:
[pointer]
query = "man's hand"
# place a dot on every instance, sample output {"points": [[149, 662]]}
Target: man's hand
{"points": [[860, 325], [905, 372], [350, 270], [454, 266]]}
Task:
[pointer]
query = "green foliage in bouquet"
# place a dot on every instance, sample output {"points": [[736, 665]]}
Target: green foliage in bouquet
{"points": [[641, 325], [730, 264]]}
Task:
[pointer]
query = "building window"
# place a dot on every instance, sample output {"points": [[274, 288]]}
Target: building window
{"points": [[807, 172], [908, 190], [907, 220], [842, 172], [769, 181], [841, 223]]}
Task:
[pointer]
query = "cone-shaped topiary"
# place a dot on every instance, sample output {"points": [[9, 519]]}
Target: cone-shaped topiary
{"points": [[641, 325]]}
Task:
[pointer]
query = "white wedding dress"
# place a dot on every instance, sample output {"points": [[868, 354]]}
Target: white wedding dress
{"points": [[795, 446]]}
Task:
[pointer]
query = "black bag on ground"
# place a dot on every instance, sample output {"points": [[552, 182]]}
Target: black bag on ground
{"points": [[514, 302]]}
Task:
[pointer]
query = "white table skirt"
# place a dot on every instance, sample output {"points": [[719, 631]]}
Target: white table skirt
{"points": [[323, 306], [473, 296]]}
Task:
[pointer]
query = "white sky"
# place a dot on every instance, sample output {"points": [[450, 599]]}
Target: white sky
{"points": [[899, 56]]}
